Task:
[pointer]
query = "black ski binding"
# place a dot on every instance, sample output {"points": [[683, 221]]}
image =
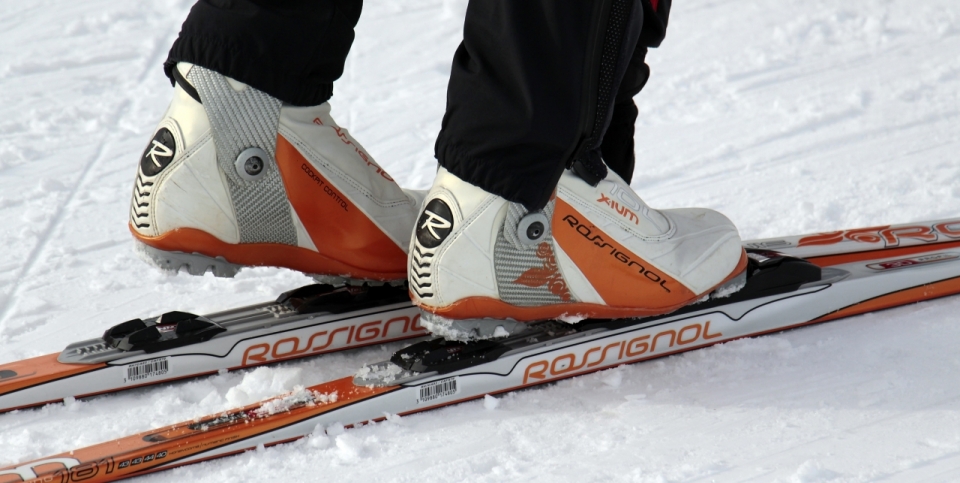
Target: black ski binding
{"points": [[172, 329], [337, 300]]}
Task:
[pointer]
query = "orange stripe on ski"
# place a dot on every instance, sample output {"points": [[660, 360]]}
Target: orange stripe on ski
{"points": [[934, 290], [883, 253], [138, 454], [889, 235], [38, 370]]}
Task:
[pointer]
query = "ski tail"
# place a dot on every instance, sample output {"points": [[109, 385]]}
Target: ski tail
{"points": [[27, 373], [193, 441], [308, 321]]}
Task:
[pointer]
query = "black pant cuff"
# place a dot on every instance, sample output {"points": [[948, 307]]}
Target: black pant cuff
{"points": [[524, 184], [234, 61]]}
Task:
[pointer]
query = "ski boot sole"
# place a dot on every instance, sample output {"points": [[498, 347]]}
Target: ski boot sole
{"points": [[466, 330], [192, 263], [199, 264]]}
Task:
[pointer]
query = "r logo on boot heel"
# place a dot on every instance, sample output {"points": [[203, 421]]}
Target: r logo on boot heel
{"points": [[435, 224]]}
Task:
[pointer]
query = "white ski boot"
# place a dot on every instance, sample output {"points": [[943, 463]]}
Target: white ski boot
{"points": [[243, 180], [481, 265]]}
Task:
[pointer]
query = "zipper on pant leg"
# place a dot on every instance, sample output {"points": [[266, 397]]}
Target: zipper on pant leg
{"points": [[606, 64]]}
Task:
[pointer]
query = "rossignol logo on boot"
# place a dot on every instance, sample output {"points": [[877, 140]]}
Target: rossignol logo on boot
{"points": [[159, 153], [610, 248], [435, 224], [548, 274]]}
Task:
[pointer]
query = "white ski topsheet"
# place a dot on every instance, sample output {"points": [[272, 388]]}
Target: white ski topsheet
{"points": [[789, 116]]}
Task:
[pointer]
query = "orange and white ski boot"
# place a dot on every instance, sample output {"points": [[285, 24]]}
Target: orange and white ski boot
{"points": [[233, 177], [480, 265]]}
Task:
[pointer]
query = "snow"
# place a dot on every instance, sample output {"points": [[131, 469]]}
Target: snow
{"points": [[789, 116], [300, 396], [572, 318], [384, 373]]}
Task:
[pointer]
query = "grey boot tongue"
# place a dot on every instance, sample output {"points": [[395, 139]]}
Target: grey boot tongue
{"points": [[656, 218], [241, 120]]}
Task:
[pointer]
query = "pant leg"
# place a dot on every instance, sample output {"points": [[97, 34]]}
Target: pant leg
{"points": [[290, 49], [617, 148], [532, 89]]}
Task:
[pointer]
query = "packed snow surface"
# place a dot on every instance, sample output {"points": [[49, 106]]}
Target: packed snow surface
{"points": [[790, 116]]}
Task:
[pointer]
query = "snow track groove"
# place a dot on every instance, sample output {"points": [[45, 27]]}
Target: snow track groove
{"points": [[45, 236]]}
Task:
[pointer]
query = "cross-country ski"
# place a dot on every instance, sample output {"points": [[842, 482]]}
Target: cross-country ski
{"points": [[848, 273]]}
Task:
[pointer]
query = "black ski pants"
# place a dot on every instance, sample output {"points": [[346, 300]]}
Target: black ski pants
{"points": [[536, 86]]}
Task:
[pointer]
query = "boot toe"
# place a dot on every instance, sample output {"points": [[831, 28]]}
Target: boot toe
{"points": [[707, 247]]}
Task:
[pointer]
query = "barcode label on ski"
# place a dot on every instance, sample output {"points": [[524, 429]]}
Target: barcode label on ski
{"points": [[148, 369], [438, 389]]}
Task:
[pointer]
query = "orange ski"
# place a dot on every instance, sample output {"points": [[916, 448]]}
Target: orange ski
{"points": [[189, 442], [311, 320]]}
